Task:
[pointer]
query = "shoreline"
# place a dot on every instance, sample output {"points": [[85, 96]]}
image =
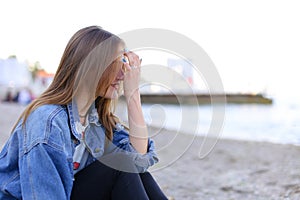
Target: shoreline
{"points": [[234, 169], [228, 138]]}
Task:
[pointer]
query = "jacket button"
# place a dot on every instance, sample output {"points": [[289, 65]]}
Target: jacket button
{"points": [[97, 150]]}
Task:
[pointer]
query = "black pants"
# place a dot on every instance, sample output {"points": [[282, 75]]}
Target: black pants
{"points": [[98, 181]]}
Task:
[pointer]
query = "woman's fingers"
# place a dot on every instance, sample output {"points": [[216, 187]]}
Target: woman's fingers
{"points": [[134, 59], [132, 73], [131, 61]]}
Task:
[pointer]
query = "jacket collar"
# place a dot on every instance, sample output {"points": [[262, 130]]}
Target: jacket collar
{"points": [[75, 121]]}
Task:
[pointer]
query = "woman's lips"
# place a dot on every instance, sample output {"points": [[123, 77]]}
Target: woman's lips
{"points": [[115, 85]]}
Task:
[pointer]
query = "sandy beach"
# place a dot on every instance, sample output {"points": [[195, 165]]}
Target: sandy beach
{"points": [[232, 170]]}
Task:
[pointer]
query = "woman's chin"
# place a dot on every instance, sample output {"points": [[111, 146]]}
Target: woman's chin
{"points": [[112, 95]]}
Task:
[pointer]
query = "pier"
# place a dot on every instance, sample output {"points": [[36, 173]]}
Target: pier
{"points": [[238, 98]]}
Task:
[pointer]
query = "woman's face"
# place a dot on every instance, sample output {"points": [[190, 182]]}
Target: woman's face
{"points": [[113, 89], [115, 75]]}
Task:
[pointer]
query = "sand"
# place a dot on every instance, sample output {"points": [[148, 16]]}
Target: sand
{"points": [[232, 170]]}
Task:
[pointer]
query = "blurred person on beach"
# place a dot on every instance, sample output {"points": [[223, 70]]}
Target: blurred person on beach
{"points": [[8, 97], [25, 96], [68, 144]]}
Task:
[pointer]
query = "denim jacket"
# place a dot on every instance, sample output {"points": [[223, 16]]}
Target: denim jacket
{"points": [[37, 160]]}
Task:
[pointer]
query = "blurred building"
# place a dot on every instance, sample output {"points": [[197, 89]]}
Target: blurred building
{"points": [[14, 75]]}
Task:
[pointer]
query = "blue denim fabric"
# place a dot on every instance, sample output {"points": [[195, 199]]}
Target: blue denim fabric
{"points": [[37, 161]]}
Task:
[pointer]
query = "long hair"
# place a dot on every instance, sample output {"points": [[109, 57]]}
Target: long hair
{"points": [[87, 67]]}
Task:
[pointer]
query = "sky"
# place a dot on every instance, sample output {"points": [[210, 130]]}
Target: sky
{"points": [[255, 45]]}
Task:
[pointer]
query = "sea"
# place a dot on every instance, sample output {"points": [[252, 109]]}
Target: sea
{"points": [[277, 123]]}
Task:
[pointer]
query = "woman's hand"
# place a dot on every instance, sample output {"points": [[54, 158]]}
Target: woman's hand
{"points": [[132, 74], [138, 133]]}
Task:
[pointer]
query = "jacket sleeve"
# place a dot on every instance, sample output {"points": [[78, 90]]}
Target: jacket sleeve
{"points": [[45, 172], [141, 161]]}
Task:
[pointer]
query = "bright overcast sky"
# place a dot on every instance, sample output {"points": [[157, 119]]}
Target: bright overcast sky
{"points": [[255, 44]]}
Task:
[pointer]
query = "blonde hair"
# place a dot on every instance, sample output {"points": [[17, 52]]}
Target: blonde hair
{"points": [[88, 63]]}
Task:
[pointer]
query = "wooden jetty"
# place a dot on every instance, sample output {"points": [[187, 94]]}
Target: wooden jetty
{"points": [[238, 98]]}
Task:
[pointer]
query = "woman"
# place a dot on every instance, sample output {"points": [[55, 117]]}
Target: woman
{"points": [[68, 144]]}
